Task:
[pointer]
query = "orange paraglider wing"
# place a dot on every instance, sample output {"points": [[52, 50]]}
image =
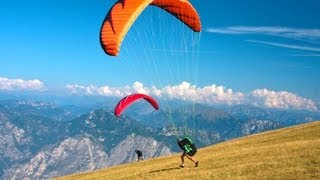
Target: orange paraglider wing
{"points": [[124, 12], [181, 9]]}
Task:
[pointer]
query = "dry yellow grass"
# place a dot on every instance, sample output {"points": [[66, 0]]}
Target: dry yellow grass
{"points": [[290, 153]]}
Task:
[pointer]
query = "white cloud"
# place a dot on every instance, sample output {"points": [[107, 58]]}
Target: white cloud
{"points": [[290, 46], [304, 35], [281, 99], [100, 91], [139, 88], [185, 91], [269, 30], [210, 95], [20, 84]]}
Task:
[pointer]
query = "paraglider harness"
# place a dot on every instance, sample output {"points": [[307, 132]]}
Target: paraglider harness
{"points": [[187, 146]]}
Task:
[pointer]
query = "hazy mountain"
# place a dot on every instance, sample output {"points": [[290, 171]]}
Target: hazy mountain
{"points": [[211, 124], [283, 117], [44, 109], [37, 147], [40, 139]]}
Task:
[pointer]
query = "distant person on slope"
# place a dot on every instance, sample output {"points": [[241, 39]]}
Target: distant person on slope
{"points": [[189, 150], [139, 153]]}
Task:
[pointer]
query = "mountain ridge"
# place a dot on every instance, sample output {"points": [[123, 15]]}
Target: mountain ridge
{"points": [[287, 153], [31, 139]]}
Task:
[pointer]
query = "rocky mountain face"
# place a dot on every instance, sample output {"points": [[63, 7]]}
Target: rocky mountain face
{"points": [[80, 154], [41, 140], [12, 142], [149, 146], [35, 147], [74, 154]]}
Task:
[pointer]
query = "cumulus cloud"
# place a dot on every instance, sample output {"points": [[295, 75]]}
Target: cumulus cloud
{"points": [[20, 84], [281, 99], [98, 91], [210, 95], [185, 91]]}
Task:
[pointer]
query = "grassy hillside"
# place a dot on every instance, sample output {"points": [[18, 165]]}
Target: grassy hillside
{"points": [[290, 153]]}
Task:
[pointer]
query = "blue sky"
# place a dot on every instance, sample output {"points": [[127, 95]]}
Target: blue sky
{"points": [[244, 46]]}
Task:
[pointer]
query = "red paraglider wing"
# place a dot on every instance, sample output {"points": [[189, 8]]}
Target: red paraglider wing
{"points": [[128, 100]]}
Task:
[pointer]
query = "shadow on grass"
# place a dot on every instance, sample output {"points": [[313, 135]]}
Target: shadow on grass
{"points": [[166, 169]]}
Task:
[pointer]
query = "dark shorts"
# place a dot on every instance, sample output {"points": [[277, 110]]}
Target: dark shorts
{"points": [[190, 153]]}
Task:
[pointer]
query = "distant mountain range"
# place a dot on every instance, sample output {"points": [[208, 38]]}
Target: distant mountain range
{"points": [[286, 153], [43, 140]]}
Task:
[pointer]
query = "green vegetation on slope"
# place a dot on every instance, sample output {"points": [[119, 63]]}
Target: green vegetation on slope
{"points": [[289, 153]]}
